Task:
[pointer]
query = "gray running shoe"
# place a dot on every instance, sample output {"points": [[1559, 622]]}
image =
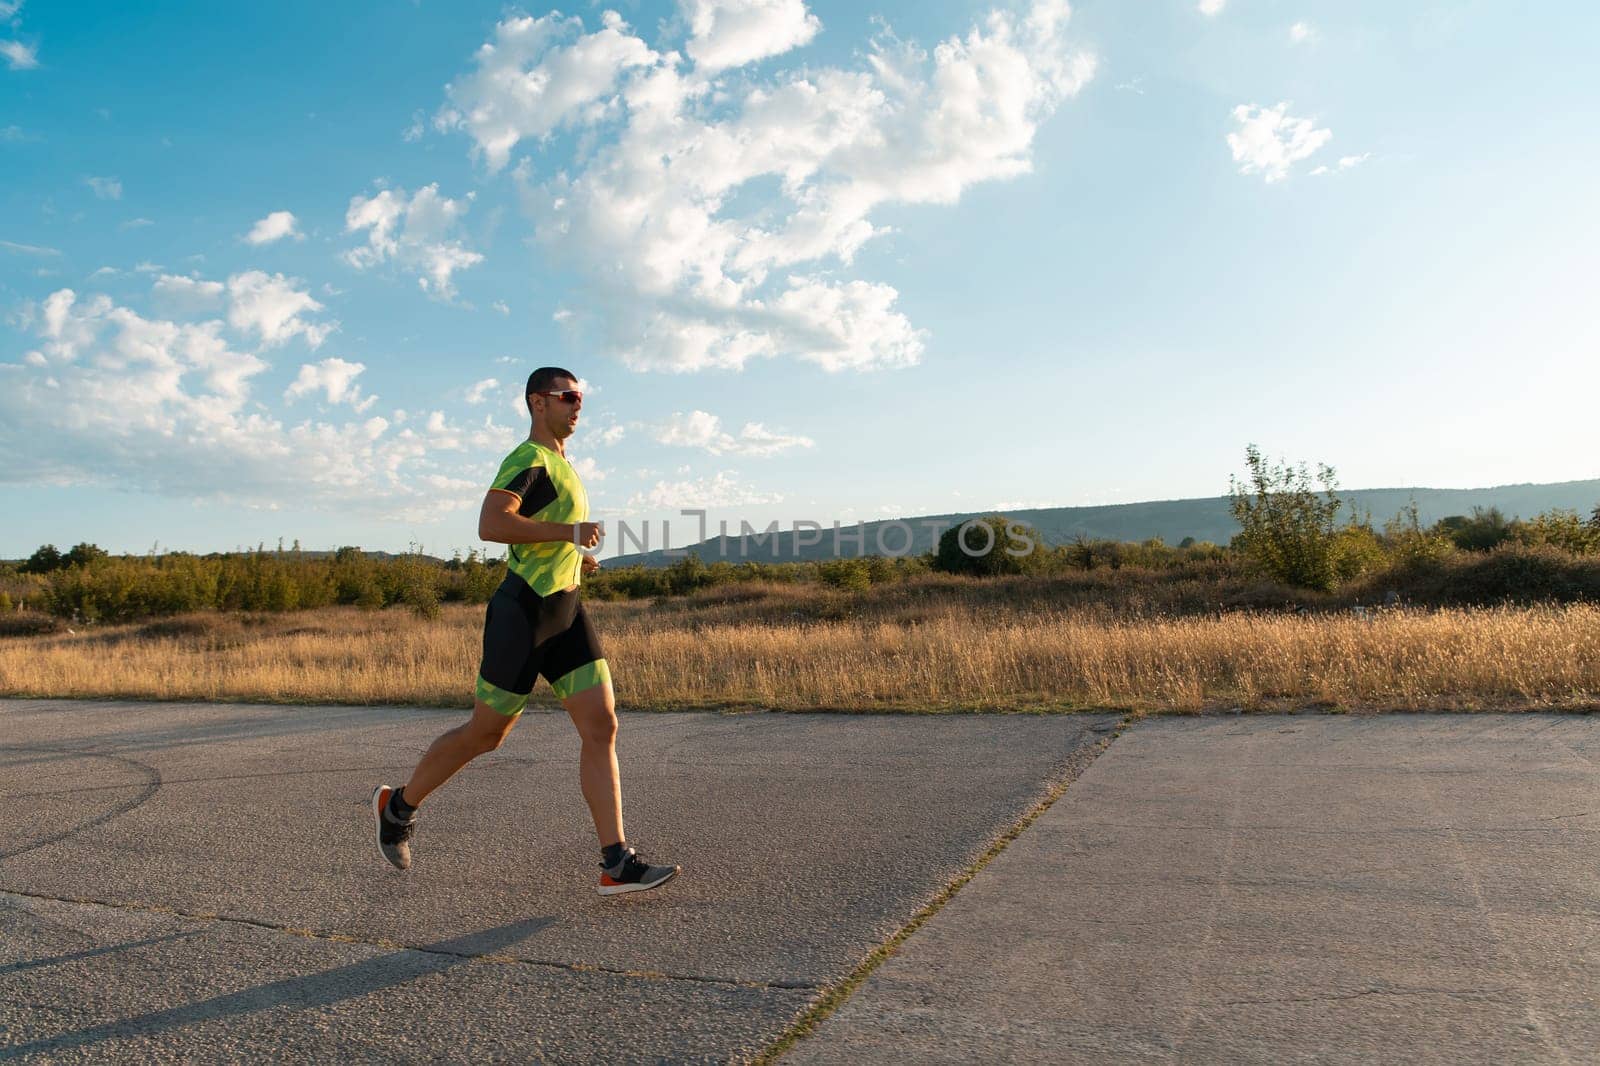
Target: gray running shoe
{"points": [[394, 836], [633, 874]]}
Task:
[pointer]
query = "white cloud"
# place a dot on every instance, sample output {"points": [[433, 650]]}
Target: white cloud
{"points": [[731, 33], [275, 226], [538, 75], [721, 490], [20, 56], [135, 223], [479, 392], [1301, 31], [29, 249], [271, 305], [1210, 8], [9, 8], [105, 188], [500, 306], [709, 228], [608, 436], [187, 295], [335, 379], [1270, 141], [415, 232], [698, 429], [588, 469], [1345, 163], [111, 398]]}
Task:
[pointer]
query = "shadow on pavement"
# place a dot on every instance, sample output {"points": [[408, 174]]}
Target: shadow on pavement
{"points": [[299, 993]]}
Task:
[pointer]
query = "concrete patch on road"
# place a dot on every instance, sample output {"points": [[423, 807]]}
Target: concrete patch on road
{"points": [[1267, 889]]}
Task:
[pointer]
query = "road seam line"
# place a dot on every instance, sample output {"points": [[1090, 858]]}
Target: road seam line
{"points": [[834, 995]]}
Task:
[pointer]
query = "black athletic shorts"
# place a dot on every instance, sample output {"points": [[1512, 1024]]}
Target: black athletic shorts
{"points": [[525, 635]]}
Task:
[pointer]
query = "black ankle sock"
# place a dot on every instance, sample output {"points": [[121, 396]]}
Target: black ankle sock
{"points": [[612, 853], [399, 807]]}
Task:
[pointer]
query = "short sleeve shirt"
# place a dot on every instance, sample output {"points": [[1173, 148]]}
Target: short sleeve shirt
{"points": [[548, 490]]}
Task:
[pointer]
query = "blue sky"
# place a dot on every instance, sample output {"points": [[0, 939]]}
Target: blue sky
{"points": [[280, 271]]}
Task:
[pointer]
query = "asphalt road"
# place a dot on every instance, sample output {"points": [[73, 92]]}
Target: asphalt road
{"points": [[197, 883]]}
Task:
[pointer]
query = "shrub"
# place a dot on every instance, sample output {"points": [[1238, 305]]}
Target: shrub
{"points": [[43, 561], [1356, 550], [1408, 541], [991, 545], [852, 575], [1559, 529], [1286, 526], [1482, 530]]}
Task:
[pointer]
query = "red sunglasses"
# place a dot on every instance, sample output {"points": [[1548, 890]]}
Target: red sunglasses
{"points": [[568, 396]]}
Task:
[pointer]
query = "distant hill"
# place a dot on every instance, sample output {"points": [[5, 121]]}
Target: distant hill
{"points": [[1171, 520]]}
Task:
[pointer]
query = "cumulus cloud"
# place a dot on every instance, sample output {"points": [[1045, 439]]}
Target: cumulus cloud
{"points": [[1211, 8], [709, 221], [271, 306], [276, 226], [588, 469], [479, 392], [1269, 141], [415, 232], [1301, 31], [187, 295], [105, 188], [698, 429], [731, 33], [111, 397], [335, 379], [538, 75], [720, 490]]}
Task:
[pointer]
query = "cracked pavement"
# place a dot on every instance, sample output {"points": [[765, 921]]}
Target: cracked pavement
{"points": [[198, 882]]}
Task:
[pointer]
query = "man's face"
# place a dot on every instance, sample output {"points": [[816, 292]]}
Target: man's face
{"points": [[560, 412]]}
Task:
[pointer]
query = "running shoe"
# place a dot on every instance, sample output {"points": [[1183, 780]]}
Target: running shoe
{"points": [[394, 836], [633, 874]]}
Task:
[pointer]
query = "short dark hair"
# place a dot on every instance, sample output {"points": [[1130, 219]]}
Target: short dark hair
{"points": [[541, 380]]}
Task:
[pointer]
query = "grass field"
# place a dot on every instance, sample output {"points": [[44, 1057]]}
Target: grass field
{"points": [[946, 644]]}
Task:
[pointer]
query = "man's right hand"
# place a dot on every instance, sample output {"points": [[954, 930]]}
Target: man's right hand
{"points": [[588, 534]]}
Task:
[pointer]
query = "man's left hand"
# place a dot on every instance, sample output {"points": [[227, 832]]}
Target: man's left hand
{"points": [[590, 565]]}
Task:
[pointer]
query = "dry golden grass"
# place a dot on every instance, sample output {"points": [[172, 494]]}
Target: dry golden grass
{"points": [[757, 648]]}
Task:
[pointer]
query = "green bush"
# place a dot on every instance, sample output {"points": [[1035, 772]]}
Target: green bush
{"points": [[1559, 529], [989, 546], [1478, 532], [1407, 541], [1286, 526], [852, 575], [1356, 550]]}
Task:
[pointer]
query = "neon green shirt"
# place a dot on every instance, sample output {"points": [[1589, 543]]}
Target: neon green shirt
{"points": [[549, 491]]}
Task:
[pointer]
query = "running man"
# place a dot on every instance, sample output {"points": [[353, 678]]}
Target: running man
{"points": [[536, 625]]}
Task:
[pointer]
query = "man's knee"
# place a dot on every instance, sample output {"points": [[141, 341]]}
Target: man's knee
{"points": [[486, 732], [599, 726]]}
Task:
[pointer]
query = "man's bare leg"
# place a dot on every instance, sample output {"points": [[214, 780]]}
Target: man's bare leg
{"points": [[482, 733], [594, 712]]}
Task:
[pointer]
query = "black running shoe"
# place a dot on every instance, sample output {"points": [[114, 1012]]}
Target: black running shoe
{"points": [[394, 837], [633, 874]]}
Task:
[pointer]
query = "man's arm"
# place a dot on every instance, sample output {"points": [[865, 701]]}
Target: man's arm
{"points": [[499, 523]]}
